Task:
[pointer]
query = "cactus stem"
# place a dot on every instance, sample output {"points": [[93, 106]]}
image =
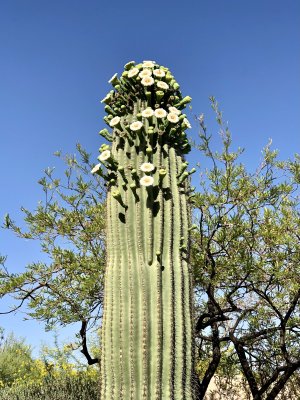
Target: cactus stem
{"points": [[146, 355]]}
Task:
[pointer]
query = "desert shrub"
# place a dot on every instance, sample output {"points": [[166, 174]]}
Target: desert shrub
{"points": [[79, 385]]}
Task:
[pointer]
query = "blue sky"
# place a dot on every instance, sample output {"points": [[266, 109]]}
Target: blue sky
{"points": [[56, 59]]}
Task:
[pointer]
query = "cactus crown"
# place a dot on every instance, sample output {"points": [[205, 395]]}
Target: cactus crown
{"points": [[145, 109], [160, 100]]}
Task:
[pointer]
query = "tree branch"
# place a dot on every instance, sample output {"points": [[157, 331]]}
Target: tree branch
{"points": [[84, 350]]}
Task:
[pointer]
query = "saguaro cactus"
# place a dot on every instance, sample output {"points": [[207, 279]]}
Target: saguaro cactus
{"points": [[147, 339]]}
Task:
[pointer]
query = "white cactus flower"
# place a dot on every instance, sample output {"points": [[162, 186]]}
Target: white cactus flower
{"points": [[147, 81], [162, 85], [147, 113], [145, 72], [174, 110], [187, 123], [173, 118], [147, 180], [105, 155], [160, 113], [133, 72], [148, 64], [147, 167], [96, 168], [136, 126], [115, 121], [159, 73]]}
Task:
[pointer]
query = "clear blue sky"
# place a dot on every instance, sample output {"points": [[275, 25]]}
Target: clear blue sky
{"points": [[56, 59]]}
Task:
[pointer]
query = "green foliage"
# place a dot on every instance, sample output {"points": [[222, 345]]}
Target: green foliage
{"points": [[83, 386], [246, 254], [57, 374], [16, 362], [69, 225]]}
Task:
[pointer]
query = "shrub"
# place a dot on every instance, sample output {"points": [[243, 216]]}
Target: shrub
{"points": [[82, 385]]}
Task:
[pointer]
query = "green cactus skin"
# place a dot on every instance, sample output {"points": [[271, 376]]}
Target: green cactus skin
{"points": [[147, 332]]}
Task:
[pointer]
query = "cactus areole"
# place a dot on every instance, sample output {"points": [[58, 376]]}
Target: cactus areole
{"points": [[147, 339]]}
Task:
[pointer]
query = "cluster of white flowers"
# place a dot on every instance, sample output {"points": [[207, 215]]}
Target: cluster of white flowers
{"points": [[147, 180], [172, 116], [146, 75]]}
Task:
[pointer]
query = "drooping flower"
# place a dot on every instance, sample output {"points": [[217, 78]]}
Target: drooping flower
{"points": [[147, 81], [160, 113], [187, 123], [147, 167], [174, 110], [133, 72], [162, 85], [146, 180], [96, 168], [115, 121], [173, 118], [159, 73], [136, 126], [105, 155], [147, 113], [148, 64], [145, 72]]}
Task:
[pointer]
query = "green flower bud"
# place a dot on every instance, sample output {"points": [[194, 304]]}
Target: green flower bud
{"points": [[149, 150], [168, 77], [159, 95]]}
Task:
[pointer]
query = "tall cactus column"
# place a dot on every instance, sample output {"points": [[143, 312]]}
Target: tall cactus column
{"points": [[147, 340]]}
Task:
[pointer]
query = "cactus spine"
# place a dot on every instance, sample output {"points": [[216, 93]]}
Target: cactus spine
{"points": [[147, 340]]}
